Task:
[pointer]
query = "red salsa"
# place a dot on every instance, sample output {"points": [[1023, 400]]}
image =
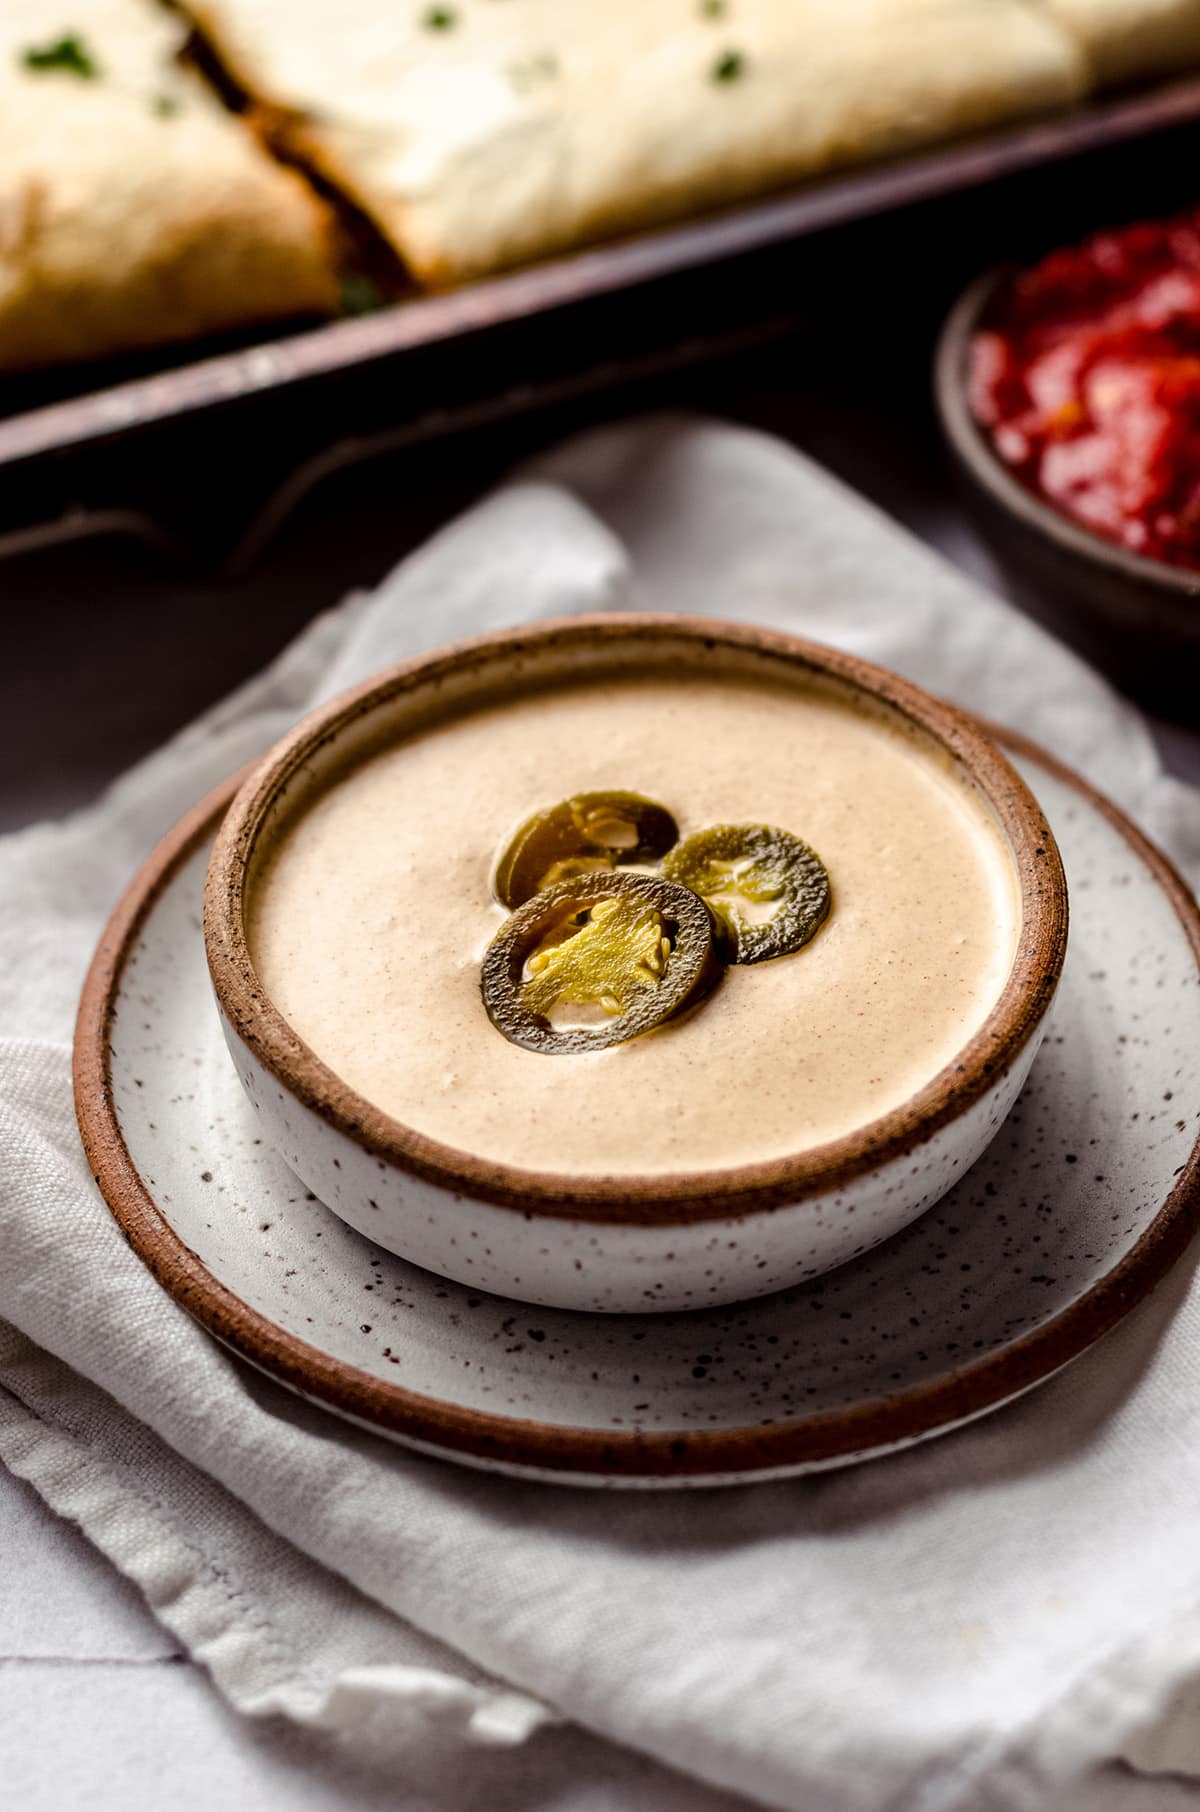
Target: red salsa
{"points": [[1086, 373]]}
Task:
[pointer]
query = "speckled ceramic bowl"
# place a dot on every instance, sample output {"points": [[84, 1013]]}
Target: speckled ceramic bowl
{"points": [[623, 1243], [1140, 618]]}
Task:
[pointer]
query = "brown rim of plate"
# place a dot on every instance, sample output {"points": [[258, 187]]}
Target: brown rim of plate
{"points": [[684, 1197], [872, 1427], [973, 446]]}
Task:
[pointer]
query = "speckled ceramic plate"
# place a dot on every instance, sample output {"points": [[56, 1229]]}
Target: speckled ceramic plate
{"points": [[1084, 1200]]}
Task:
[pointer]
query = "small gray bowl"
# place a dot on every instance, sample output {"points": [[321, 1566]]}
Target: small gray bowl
{"points": [[1140, 616]]}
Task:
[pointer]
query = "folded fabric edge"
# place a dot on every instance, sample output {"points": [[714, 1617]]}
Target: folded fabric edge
{"points": [[215, 1618], [1141, 1703], [1138, 1704]]}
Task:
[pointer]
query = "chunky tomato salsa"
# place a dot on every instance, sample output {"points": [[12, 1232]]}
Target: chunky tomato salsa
{"points": [[1086, 374]]}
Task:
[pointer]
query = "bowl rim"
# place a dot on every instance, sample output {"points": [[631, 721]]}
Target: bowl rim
{"points": [[925, 1408], [681, 1197], [971, 444]]}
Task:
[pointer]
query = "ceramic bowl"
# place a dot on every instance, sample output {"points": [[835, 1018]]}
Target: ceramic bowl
{"points": [[654, 1242], [1138, 616]]}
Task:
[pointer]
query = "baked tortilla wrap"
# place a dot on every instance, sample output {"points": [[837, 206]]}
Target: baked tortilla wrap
{"points": [[484, 133], [1126, 40], [134, 209]]}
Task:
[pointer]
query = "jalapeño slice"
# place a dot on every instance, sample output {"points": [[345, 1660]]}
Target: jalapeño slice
{"points": [[597, 959], [770, 891], [576, 836]]}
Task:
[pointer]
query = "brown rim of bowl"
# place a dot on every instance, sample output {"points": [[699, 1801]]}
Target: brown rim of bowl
{"points": [[972, 445], [686, 1196], [924, 1409]]}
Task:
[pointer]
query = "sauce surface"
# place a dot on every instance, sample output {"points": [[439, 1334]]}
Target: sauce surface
{"points": [[1086, 375], [369, 919]]}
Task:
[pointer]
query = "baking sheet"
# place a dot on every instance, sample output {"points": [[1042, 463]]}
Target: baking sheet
{"points": [[419, 364]]}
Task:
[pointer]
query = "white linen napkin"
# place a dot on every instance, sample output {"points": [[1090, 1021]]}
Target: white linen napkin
{"points": [[964, 1625]]}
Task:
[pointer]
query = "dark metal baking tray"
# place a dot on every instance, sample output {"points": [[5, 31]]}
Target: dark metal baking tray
{"points": [[263, 420]]}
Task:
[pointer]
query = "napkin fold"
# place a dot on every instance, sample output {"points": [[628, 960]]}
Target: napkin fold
{"points": [[968, 1624]]}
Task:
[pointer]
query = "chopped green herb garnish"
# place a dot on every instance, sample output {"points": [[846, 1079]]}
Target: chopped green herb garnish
{"points": [[361, 295], [728, 66], [713, 9], [165, 106], [440, 18], [68, 53]]}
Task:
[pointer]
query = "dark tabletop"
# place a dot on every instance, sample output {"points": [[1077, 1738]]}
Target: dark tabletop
{"points": [[110, 646]]}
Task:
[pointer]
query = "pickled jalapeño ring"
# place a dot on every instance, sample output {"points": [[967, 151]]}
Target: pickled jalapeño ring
{"points": [[598, 959], [769, 890], [577, 836]]}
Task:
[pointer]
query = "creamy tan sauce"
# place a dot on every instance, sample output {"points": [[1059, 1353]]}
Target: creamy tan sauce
{"points": [[369, 919]]}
